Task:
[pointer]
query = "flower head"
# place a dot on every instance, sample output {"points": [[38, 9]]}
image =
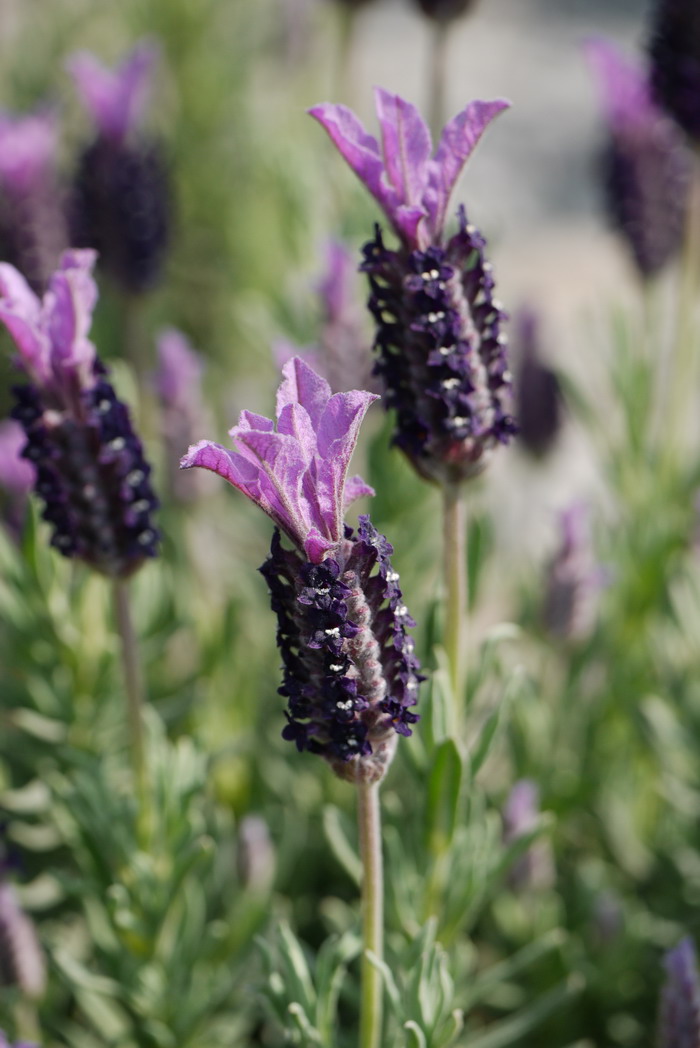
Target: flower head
{"points": [[574, 579], [350, 672], [296, 472], [412, 185], [90, 469], [441, 350], [679, 1013], [120, 201], [646, 163], [115, 99]]}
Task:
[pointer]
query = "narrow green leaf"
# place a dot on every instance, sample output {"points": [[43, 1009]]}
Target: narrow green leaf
{"points": [[444, 787], [339, 843], [416, 1036], [509, 1031]]}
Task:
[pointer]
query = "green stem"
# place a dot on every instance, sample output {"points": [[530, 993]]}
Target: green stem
{"points": [[133, 683], [684, 360], [455, 567], [369, 821], [438, 75]]}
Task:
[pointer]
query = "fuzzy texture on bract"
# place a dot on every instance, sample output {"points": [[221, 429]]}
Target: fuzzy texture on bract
{"points": [[674, 50], [120, 201], [350, 672], [90, 470], [32, 214], [646, 164], [679, 1011]]}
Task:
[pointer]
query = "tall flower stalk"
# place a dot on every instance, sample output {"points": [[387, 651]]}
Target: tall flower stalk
{"points": [[441, 351], [350, 674]]}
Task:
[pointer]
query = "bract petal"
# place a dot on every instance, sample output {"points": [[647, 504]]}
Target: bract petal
{"points": [[303, 386], [283, 463], [406, 145], [355, 488], [27, 149], [337, 436], [238, 471], [295, 422], [457, 143], [624, 87], [316, 546], [114, 99], [20, 312], [359, 149], [249, 420]]}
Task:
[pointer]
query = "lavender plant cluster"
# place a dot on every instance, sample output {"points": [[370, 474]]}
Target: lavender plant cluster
{"points": [[187, 871]]}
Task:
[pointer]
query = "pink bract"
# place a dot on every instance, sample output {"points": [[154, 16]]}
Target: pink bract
{"points": [[412, 185], [296, 472], [51, 333], [27, 149]]}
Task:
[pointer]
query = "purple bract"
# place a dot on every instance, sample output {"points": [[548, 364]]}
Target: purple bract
{"points": [[679, 1012], [412, 185], [116, 99]]}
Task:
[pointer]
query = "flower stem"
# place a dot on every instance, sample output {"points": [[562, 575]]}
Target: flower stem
{"points": [[438, 75], [369, 820], [133, 682], [455, 567]]}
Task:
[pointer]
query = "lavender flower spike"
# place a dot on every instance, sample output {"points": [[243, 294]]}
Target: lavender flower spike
{"points": [[350, 672], [647, 165], [674, 50], [90, 469], [679, 1012], [116, 100], [440, 347], [412, 185]]}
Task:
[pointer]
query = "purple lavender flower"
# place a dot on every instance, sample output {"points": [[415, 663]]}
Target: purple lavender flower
{"points": [[647, 165], [255, 857], [537, 391], [679, 1013], [342, 355], [520, 816], [441, 351], [21, 957], [120, 202], [17, 474], [574, 579], [32, 224], [178, 385], [674, 50], [350, 672], [90, 469], [4, 1043]]}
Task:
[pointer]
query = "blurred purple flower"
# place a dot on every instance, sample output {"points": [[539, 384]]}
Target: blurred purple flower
{"points": [[674, 50], [22, 961], [4, 1043], [441, 352], [679, 1011], [32, 222], [178, 385], [412, 186], [17, 475], [91, 473], [121, 198], [115, 99], [521, 815], [350, 672], [255, 857], [647, 164], [342, 355], [444, 10], [574, 579], [538, 396]]}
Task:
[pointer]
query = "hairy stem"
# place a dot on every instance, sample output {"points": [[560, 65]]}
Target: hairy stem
{"points": [[455, 568], [369, 821]]}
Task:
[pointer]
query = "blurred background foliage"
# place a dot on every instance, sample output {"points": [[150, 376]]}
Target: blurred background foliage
{"points": [[180, 927]]}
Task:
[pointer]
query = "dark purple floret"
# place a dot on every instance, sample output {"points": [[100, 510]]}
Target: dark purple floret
{"points": [[351, 675], [91, 476], [679, 1013], [441, 352], [121, 206], [444, 10], [646, 177], [675, 59]]}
